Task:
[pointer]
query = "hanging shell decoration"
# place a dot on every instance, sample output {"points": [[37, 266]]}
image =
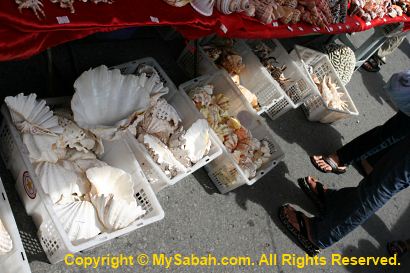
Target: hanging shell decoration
{"points": [[6, 243], [248, 152], [109, 104]]}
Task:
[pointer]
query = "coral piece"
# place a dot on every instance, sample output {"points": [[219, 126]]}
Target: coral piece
{"points": [[35, 5]]}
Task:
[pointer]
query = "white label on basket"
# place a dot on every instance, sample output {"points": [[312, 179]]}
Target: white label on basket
{"points": [[224, 28], [300, 28], [154, 19], [290, 29], [275, 24], [28, 184], [63, 20]]}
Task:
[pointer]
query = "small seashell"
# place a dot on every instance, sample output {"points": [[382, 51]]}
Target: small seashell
{"points": [[6, 243]]}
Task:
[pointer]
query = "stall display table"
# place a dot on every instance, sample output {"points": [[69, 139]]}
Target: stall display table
{"points": [[23, 35]]}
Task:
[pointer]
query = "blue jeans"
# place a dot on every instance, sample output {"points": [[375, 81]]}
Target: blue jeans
{"points": [[348, 208], [375, 140]]}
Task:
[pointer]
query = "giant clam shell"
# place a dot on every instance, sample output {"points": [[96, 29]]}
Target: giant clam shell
{"points": [[116, 213], [161, 120], [76, 138], [107, 102], [32, 116], [109, 180], [57, 180], [163, 156], [6, 243], [43, 148], [79, 220], [197, 140]]}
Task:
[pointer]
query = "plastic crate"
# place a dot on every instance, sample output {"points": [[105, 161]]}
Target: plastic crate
{"points": [[153, 172], [16, 260], [224, 171], [38, 204], [298, 89], [314, 107], [254, 77]]}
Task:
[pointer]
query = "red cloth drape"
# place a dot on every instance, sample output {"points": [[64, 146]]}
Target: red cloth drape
{"points": [[23, 35]]}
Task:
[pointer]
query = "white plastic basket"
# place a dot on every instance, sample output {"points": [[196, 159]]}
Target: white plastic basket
{"points": [[254, 77], [38, 205], [224, 171], [314, 107], [153, 172], [16, 260], [297, 90]]}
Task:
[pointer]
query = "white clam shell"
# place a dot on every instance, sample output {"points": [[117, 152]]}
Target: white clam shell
{"points": [[197, 140], [57, 180], [163, 155], [109, 180], [43, 148], [105, 101], [116, 213], [77, 138], [32, 116], [6, 243], [79, 220], [204, 7]]}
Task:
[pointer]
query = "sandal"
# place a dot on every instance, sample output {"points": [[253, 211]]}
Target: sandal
{"points": [[318, 197], [335, 167], [301, 235], [398, 248]]}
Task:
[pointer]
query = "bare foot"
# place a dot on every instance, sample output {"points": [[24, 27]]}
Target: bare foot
{"points": [[313, 184], [325, 167]]}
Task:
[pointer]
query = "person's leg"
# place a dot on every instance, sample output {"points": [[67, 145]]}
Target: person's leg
{"points": [[375, 140], [369, 143], [348, 208]]}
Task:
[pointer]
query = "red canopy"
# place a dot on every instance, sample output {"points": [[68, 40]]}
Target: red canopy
{"points": [[23, 35]]}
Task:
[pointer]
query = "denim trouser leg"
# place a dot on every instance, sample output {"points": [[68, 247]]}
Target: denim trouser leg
{"points": [[375, 140], [348, 208]]}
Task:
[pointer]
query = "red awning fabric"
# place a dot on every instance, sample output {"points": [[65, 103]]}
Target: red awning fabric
{"points": [[23, 35]]}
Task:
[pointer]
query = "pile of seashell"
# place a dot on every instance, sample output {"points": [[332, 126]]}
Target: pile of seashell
{"points": [[205, 7], [249, 152], [110, 104], [372, 9], [316, 12], [264, 54], [89, 196], [6, 243], [328, 91], [221, 52], [37, 6]]}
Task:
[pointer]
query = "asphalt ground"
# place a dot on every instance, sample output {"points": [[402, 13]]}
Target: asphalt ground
{"points": [[198, 219]]}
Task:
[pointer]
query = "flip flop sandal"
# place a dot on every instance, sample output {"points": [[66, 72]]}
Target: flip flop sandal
{"points": [[371, 65], [397, 247], [330, 162], [317, 198], [301, 235]]}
